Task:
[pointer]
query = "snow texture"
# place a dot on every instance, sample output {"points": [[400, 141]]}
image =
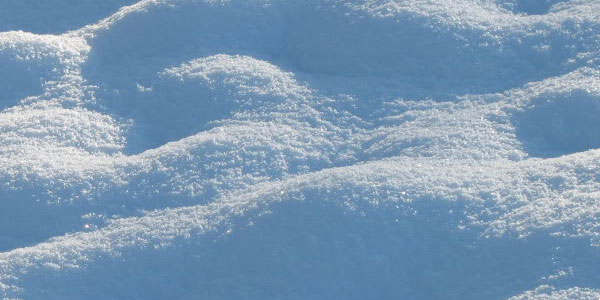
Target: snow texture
{"points": [[294, 149]]}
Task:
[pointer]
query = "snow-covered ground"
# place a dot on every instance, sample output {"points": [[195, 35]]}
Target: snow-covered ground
{"points": [[300, 149]]}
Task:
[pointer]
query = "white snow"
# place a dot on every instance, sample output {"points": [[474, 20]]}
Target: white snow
{"points": [[363, 149]]}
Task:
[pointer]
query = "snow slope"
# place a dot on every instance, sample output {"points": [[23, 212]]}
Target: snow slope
{"points": [[362, 149]]}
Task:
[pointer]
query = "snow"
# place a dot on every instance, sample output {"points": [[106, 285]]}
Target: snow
{"points": [[362, 149]]}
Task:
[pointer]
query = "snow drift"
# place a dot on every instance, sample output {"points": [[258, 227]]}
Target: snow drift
{"points": [[193, 149]]}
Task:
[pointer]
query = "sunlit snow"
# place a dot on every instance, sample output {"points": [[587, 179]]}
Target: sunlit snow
{"points": [[300, 149]]}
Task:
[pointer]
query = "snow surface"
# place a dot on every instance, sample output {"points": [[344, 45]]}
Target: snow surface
{"points": [[293, 149]]}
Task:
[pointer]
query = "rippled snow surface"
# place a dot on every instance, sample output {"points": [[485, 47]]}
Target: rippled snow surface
{"points": [[300, 149]]}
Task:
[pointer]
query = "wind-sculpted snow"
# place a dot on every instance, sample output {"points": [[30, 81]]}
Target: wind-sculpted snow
{"points": [[300, 149]]}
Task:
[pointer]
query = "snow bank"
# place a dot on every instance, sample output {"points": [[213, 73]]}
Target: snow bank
{"points": [[321, 149]]}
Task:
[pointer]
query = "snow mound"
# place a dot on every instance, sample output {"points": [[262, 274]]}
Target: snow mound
{"points": [[54, 17], [292, 149], [201, 91]]}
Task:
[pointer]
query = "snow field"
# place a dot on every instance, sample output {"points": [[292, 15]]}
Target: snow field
{"points": [[292, 149]]}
